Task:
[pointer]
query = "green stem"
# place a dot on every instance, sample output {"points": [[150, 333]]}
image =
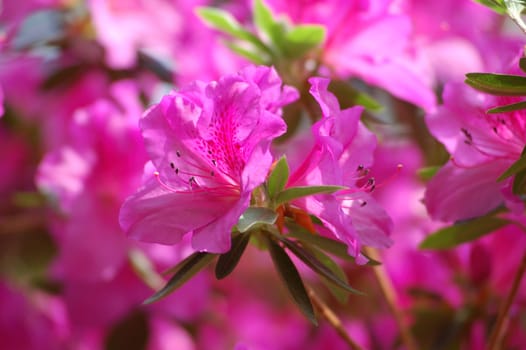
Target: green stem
{"points": [[386, 284], [502, 318], [331, 317]]}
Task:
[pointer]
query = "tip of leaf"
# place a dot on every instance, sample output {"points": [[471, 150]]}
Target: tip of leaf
{"points": [[151, 299]]}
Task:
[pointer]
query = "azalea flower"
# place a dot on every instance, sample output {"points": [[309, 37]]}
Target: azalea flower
{"points": [[342, 153], [375, 48], [482, 146], [209, 148]]}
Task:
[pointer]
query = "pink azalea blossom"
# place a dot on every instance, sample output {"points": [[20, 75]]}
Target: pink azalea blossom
{"points": [[209, 144], [482, 146], [31, 319], [88, 176], [125, 26], [367, 40], [342, 153], [446, 45]]}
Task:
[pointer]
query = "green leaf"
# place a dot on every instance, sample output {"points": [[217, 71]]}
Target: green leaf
{"points": [[303, 38], [278, 178], [497, 84], [292, 280], [131, 333], [225, 22], [515, 168], [454, 235], [316, 265], [427, 173], [304, 191], [340, 294], [184, 271], [264, 19], [496, 5], [508, 108], [326, 244], [252, 54], [227, 262], [254, 216], [348, 96]]}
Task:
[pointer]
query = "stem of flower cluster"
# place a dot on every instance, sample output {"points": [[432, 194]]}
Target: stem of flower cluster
{"points": [[386, 284], [500, 325], [331, 317]]}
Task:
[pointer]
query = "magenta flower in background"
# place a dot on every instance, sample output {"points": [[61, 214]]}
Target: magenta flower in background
{"points": [[123, 27], [447, 46], [31, 319], [342, 153], [374, 48], [482, 146], [88, 176], [209, 144]]}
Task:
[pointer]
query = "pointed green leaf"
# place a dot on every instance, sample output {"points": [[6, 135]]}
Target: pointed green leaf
{"points": [[290, 276], [427, 173], [349, 96], [225, 22], [278, 178], [263, 19], [340, 294], [326, 244], [515, 168], [508, 108], [303, 38], [496, 5], [497, 84], [254, 216], [184, 271], [227, 262], [316, 265], [304, 191], [454, 235], [367, 101], [252, 54]]}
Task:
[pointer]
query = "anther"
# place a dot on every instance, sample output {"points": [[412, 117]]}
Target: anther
{"points": [[172, 165], [178, 154], [469, 137]]}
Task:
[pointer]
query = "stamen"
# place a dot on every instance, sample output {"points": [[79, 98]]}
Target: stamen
{"points": [[469, 137], [225, 191]]}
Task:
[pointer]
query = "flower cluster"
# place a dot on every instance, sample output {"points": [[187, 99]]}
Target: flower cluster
{"points": [[262, 174]]}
